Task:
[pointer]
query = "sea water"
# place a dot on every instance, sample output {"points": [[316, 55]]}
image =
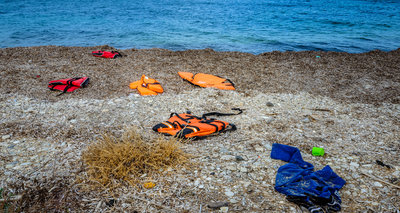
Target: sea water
{"points": [[253, 26]]}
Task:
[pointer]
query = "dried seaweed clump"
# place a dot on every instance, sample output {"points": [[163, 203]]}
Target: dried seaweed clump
{"points": [[129, 157], [53, 194]]}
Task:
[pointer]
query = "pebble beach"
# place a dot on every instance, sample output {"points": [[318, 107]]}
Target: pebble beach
{"points": [[346, 103]]}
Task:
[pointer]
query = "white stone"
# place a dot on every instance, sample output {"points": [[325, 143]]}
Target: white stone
{"points": [[224, 209], [259, 149], [377, 184], [246, 184], [5, 137], [233, 201], [231, 167], [229, 193], [243, 169], [227, 157], [354, 164]]}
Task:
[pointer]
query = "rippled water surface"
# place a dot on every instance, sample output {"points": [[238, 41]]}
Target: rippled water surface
{"points": [[224, 25]]}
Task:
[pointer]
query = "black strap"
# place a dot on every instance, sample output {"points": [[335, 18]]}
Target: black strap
{"points": [[184, 119], [230, 82], [223, 114], [69, 85]]}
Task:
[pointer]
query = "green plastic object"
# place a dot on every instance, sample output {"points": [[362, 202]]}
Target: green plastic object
{"points": [[318, 151]]}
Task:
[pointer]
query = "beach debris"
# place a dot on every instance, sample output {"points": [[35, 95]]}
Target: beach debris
{"points": [[379, 179], [114, 159], [149, 185], [321, 110], [318, 151], [309, 118], [297, 179], [380, 163]]}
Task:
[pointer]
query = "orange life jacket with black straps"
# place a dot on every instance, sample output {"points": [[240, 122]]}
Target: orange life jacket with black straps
{"points": [[147, 86], [207, 80], [186, 125], [68, 85]]}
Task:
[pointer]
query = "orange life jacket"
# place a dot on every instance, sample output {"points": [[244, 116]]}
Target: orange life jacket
{"points": [[207, 80], [147, 86], [68, 85], [186, 125]]}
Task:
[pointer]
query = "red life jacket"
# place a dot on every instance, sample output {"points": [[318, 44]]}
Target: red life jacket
{"points": [[186, 125], [106, 54], [68, 85]]}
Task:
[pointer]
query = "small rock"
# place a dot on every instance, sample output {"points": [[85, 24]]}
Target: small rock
{"points": [[354, 164], [239, 158], [227, 157], [267, 146], [243, 169], [197, 182], [377, 184], [223, 209], [217, 205], [232, 168], [229, 193], [259, 149], [233, 201], [246, 184], [5, 137], [269, 104], [110, 203]]}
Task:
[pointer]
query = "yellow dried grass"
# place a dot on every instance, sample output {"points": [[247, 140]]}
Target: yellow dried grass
{"points": [[112, 159]]}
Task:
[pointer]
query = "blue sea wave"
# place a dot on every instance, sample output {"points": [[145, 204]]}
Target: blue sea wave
{"points": [[224, 25]]}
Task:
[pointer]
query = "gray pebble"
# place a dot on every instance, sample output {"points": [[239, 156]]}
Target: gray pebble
{"points": [[217, 205], [239, 158]]}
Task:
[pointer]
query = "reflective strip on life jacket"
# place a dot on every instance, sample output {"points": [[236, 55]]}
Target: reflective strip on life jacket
{"points": [[207, 80]]}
